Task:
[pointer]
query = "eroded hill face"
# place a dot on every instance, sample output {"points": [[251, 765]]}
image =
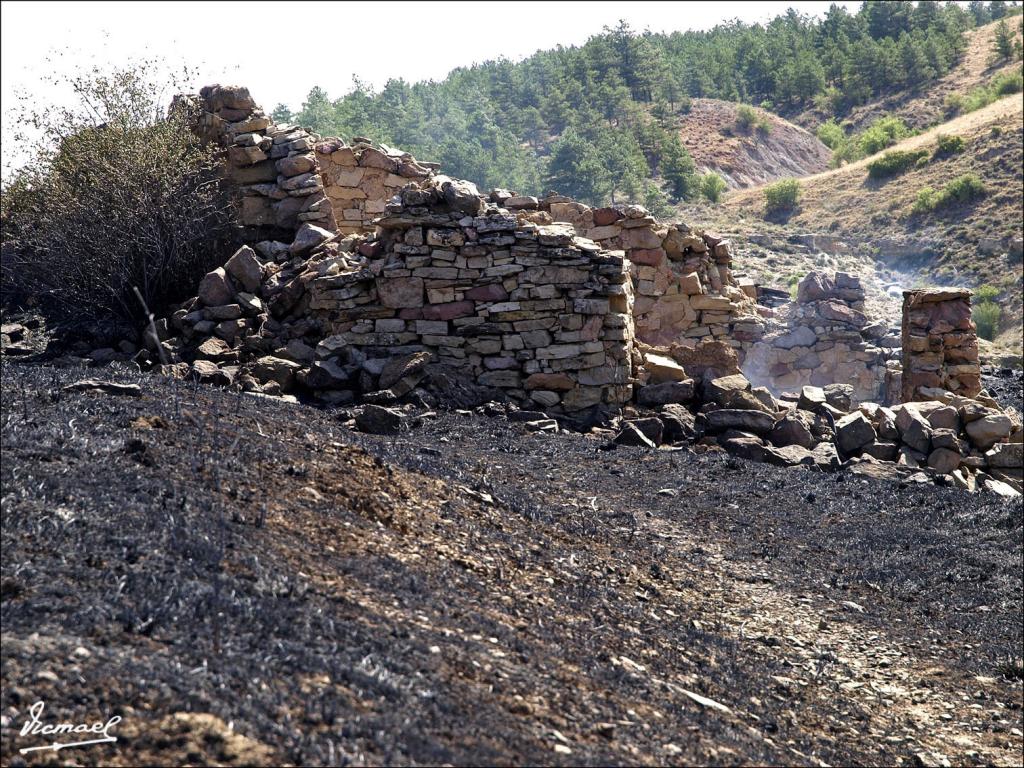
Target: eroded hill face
{"points": [[749, 157]]}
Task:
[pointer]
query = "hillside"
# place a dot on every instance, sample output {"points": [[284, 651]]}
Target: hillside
{"points": [[745, 158], [597, 121], [968, 243], [928, 106]]}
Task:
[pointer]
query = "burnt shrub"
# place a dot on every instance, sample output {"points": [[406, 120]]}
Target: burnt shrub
{"points": [[117, 192]]}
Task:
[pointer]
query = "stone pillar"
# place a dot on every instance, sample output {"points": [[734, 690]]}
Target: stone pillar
{"points": [[940, 344]]}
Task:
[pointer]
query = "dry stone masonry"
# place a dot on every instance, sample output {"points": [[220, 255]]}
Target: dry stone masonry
{"points": [[533, 310], [681, 275], [824, 338], [373, 277], [273, 168], [359, 179], [940, 344]]}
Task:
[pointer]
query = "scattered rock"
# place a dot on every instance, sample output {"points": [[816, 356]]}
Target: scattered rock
{"points": [[853, 432], [378, 420], [630, 434]]}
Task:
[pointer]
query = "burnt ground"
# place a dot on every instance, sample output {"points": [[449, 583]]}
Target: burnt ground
{"points": [[250, 582]]}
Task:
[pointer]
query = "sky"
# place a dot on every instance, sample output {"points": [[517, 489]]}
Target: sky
{"points": [[281, 50]]}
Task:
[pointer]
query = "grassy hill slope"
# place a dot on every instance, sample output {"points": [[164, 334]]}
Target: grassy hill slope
{"points": [[928, 106], [965, 243]]}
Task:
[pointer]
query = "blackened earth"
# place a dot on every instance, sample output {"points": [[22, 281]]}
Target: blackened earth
{"points": [[245, 581]]}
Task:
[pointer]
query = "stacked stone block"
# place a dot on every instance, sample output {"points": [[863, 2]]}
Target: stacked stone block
{"points": [[681, 276], [273, 168], [940, 344], [361, 178], [533, 310]]}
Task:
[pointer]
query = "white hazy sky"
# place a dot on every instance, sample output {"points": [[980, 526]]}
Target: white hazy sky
{"points": [[281, 50]]}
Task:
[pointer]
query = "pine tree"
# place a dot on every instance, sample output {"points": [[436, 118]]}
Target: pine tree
{"points": [[1003, 42], [576, 170]]}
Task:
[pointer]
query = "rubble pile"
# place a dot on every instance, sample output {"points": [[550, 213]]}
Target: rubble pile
{"points": [[971, 443]]}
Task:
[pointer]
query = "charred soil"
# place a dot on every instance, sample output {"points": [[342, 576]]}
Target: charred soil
{"points": [[246, 581]]}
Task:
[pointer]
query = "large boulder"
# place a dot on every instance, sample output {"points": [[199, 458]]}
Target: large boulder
{"points": [[631, 434], [718, 389], [245, 268], [215, 289], [853, 432], [662, 369], [277, 369], [327, 374], [378, 420], [757, 422], [665, 393], [792, 430], [839, 396], [308, 237], [1006, 456], [944, 460], [914, 429], [989, 430], [811, 399], [679, 422], [460, 195]]}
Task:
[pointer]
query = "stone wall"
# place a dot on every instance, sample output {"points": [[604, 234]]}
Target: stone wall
{"points": [[542, 297], [359, 179], [823, 338], [534, 310], [681, 275], [273, 168], [940, 344]]}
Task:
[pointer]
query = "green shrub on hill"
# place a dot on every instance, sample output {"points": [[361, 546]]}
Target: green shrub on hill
{"points": [[962, 189], [748, 120], [882, 133], [986, 316], [895, 162], [1003, 84], [831, 134], [782, 196], [712, 186], [946, 145]]}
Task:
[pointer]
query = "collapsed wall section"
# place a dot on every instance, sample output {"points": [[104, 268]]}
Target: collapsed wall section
{"points": [[824, 338], [533, 310], [940, 344]]}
